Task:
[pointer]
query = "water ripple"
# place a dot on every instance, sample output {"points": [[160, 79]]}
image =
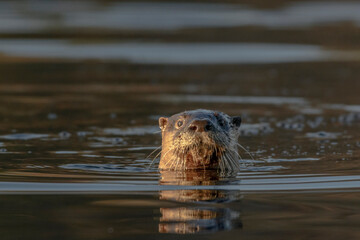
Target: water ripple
{"points": [[340, 183], [132, 131], [104, 167], [24, 136]]}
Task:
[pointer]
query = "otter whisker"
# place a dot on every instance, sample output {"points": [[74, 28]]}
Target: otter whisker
{"points": [[238, 155], [245, 151], [229, 162], [173, 162], [226, 161], [236, 159], [154, 158], [196, 152], [222, 166], [157, 155], [165, 156], [153, 151], [234, 162], [177, 162], [221, 163], [184, 158], [152, 162]]}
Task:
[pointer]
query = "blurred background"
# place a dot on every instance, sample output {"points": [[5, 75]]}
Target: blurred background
{"points": [[83, 53]]}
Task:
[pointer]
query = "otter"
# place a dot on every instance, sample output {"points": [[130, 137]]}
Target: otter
{"points": [[200, 139]]}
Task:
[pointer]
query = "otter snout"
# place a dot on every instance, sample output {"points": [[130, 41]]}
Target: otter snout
{"points": [[202, 125]]}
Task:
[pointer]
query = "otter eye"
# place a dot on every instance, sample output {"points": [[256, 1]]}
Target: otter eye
{"points": [[221, 122], [179, 123]]}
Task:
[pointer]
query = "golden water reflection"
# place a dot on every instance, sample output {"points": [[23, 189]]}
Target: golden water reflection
{"points": [[208, 212]]}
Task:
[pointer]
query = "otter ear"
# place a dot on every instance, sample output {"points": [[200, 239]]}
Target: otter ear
{"points": [[162, 122], [236, 121]]}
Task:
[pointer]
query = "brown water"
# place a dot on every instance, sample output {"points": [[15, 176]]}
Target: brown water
{"points": [[82, 85]]}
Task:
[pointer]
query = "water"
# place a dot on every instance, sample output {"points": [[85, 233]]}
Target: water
{"points": [[174, 53], [41, 15], [79, 119]]}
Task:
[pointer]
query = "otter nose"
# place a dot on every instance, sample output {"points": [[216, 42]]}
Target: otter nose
{"points": [[200, 126]]}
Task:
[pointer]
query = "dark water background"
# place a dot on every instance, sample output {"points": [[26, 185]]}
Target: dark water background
{"points": [[83, 83]]}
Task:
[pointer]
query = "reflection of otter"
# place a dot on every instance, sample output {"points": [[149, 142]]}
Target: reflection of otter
{"points": [[194, 218], [200, 139]]}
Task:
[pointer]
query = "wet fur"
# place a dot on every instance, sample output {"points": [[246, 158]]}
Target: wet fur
{"points": [[216, 148]]}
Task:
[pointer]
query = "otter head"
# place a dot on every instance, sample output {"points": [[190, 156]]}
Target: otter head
{"points": [[199, 139]]}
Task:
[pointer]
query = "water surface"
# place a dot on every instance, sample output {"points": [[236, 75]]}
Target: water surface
{"points": [[173, 53], [38, 16]]}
